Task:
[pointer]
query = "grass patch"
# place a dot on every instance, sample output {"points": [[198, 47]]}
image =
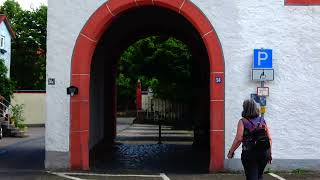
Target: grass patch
{"points": [[269, 170], [299, 171]]}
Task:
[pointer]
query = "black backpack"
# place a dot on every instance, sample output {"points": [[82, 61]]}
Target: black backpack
{"points": [[257, 137]]}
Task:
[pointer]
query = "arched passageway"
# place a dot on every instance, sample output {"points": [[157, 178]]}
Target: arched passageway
{"points": [[99, 46]]}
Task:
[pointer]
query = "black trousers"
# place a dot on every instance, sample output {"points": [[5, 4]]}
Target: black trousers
{"points": [[254, 163]]}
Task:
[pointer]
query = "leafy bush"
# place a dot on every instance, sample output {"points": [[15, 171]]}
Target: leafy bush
{"points": [[17, 116], [7, 86], [299, 171]]}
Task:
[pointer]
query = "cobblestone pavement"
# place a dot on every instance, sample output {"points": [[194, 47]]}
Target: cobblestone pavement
{"points": [[137, 150]]}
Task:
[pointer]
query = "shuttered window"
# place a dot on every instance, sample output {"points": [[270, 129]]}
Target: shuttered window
{"points": [[2, 38]]}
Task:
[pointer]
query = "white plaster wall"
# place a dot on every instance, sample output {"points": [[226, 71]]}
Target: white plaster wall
{"points": [[7, 46], [293, 32], [65, 20]]}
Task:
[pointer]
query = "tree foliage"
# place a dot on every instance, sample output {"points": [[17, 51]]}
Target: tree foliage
{"points": [[7, 86], [29, 48], [161, 64]]}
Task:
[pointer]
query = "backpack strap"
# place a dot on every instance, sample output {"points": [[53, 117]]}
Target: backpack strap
{"points": [[251, 122], [244, 121], [262, 120], [247, 121]]}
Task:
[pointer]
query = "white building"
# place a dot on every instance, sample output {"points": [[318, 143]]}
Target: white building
{"points": [[6, 35], [85, 38]]}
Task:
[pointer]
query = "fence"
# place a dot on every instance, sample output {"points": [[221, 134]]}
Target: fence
{"points": [[154, 109]]}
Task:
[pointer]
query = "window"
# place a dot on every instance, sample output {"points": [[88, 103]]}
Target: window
{"points": [[302, 2], [2, 42]]}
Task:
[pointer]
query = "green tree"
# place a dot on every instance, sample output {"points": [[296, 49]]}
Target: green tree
{"points": [[12, 10], [7, 85], [29, 48], [164, 64]]}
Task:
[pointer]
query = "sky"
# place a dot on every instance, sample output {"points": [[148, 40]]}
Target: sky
{"points": [[28, 4]]}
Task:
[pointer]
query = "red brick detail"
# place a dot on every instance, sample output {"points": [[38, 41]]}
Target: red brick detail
{"points": [[81, 63], [172, 4], [217, 86], [82, 54], [116, 6], [196, 17], [302, 2], [216, 151], [98, 23], [217, 115], [215, 53], [83, 84], [145, 2], [79, 115], [79, 153], [4, 19]]}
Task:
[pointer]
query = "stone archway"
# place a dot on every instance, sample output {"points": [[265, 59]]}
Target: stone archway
{"points": [[80, 76]]}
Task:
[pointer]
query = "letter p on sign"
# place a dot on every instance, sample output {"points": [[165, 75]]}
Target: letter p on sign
{"points": [[262, 58]]}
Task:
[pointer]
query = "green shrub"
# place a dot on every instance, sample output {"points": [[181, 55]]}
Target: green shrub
{"points": [[17, 116], [269, 170], [299, 171], [7, 86]]}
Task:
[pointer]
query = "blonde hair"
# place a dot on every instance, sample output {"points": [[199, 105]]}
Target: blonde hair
{"points": [[250, 109]]}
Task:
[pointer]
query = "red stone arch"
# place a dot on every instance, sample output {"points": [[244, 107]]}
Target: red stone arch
{"points": [[80, 75], [302, 2]]}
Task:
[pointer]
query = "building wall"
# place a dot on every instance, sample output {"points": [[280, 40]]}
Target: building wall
{"points": [[6, 56], [291, 31], [59, 65], [34, 106]]}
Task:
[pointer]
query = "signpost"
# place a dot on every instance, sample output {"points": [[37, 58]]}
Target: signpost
{"points": [[262, 71], [263, 91], [259, 99], [262, 74], [262, 59]]}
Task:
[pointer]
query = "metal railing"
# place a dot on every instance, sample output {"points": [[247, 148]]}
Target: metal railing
{"points": [[5, 111], [154, 109]]}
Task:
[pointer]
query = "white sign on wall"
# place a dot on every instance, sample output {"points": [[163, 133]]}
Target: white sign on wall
{"points": [[263, 91], [262, 74]]}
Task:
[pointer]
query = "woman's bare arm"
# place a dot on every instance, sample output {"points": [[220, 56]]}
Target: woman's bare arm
{"points": [[269, 135], [270, 140], [237, 140]]}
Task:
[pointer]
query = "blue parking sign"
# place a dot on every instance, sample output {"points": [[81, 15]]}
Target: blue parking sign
{"points": [[262, 58]]}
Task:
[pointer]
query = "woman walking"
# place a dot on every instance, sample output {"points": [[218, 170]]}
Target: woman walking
{"points": [[254, 134]]}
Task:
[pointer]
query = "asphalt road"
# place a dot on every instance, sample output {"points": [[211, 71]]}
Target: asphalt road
{"points": [[23, 159]]}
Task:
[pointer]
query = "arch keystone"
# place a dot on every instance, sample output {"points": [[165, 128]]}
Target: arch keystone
{"points": [[172, 4]]}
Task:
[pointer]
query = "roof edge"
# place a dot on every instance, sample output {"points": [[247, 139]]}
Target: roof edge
{"points": [[6, 21]]}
